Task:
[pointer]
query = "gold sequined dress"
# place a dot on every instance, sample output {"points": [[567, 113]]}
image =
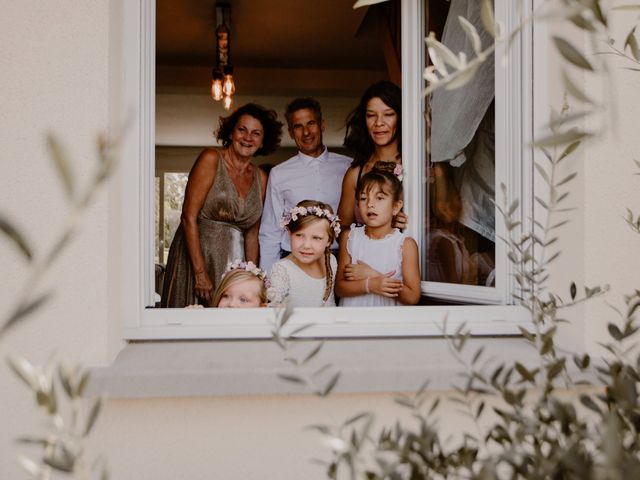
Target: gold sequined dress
{"points": [[221, 222]]}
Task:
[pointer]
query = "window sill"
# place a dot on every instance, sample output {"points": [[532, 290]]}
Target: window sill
{"points": [[249, 367], [418, 321]]}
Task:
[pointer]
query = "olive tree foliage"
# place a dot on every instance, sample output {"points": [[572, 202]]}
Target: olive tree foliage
{"points": [[58, 388], [524, 428]]}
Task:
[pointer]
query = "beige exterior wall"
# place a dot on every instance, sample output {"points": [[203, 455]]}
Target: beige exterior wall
{"points": [[56, 77]]}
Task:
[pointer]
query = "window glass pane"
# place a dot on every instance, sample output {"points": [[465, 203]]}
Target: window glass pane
{"points": [[460, 160], [156, 257], [174, 185]]}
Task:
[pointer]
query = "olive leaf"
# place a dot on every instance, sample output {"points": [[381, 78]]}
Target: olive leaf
{"points": [[60, 160], [16, 237], [366, 3], [488, 21], [632, 43], [571, 53]]}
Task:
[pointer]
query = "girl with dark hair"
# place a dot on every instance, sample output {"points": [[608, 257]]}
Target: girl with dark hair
{"points": [[388, 258], [222, 207], [373, 135]]}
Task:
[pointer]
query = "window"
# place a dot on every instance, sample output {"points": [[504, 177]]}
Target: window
{"points": [[513, 110]]}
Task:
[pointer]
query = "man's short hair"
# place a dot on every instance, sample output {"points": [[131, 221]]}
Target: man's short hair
{"points": [[302, 103]]}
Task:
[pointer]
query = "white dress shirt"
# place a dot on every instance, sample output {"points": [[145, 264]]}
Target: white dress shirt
{"points": [[300, 178]]}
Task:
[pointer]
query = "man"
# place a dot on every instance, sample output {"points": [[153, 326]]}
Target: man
{"points": [[313, 174]]}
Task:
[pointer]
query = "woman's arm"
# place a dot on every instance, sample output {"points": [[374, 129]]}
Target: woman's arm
{"points": [[201, 179], [348, 198], [251, 243], [410, 293]]}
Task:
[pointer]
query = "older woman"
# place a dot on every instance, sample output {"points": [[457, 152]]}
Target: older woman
{"points": [[222, 207], [373, 135]]}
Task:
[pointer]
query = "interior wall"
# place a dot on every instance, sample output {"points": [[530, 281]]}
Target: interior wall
{"points": [[190, 120]]}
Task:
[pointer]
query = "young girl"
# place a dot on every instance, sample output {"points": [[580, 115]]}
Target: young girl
{"points": [[242, 286], [378, 263], [305, 277]]}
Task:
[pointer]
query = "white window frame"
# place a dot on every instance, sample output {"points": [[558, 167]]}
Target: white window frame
{"points": [[135, 289]]}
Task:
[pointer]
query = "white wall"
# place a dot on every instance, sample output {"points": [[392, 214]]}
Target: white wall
{"points": [[56, 77]]}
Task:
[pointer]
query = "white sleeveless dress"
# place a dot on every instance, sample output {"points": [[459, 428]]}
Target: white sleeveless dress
{"points": [[291, 285], [383, 255]]}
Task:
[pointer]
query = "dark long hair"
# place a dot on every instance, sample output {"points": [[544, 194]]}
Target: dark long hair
{"points": [[357, 139], [270, 124]]}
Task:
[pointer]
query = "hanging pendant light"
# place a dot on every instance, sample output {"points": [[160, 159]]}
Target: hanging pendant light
{"points": [[222, 83]]}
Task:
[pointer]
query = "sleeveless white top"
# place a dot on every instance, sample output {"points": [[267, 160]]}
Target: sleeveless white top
{"points": [[383, 255], [291, 285]]}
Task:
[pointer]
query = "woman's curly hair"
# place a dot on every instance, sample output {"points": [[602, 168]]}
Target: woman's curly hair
{"points": [[270, 124]]}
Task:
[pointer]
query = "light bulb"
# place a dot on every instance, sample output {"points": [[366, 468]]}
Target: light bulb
{"points": [[216, 89], [228, 102], [228, 87]]}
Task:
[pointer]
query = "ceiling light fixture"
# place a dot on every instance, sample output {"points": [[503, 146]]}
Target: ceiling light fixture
{"points": [[222, 85]]}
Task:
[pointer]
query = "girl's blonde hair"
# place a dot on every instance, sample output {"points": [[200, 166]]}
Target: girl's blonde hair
{"points": [[303, 221], [234, 277]]}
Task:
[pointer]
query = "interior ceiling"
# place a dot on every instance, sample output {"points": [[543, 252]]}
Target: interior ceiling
{"points": [[310, 34]]}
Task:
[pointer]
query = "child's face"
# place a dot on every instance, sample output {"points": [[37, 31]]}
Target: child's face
{"points": [[377, 206], [245, 294], [309, 243]]}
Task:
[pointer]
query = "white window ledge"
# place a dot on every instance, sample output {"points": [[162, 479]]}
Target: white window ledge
{"points": [[250, 367]]}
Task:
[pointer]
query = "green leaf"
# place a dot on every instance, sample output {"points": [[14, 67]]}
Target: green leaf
{"points": [[355, 418], [542, 172], [632, 43], [24, 370], [65, 375], [31, 467], [571, 53], [366, 3], [24, 310], [566, 179], [569, 150], [82, 384], [60, 157], [313, 352], [575, 91], [16, 237], [300, 329], [472, 34], [555, 139], [524, 373], [588, 402], [488, 21], [462, 77], [405, 402], [331, 385], [555, 369], [93, 416], [615, 332], [477, 355], [291, 378]]}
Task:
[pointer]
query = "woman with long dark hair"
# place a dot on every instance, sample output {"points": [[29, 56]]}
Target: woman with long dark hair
{"points": [[374, 133]]}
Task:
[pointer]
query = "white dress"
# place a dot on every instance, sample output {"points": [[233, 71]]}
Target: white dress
{"points": [[383, 255], [291, 285]]}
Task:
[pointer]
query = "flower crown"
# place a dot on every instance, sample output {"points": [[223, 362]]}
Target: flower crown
{"points": [[296, 212], [398, 172], [247, 267]]}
